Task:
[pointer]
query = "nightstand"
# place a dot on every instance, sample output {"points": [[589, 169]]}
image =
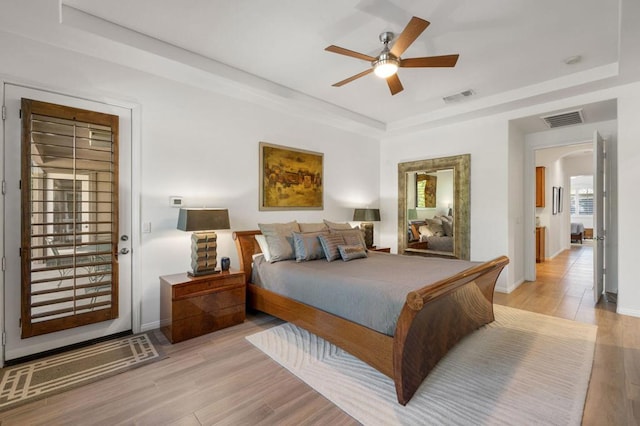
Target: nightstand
{"points": [[193, 306], [382, 249]]}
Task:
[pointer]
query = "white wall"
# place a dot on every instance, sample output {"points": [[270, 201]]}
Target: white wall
{"points": [[628, 153], [516, 209], [200, 145]]}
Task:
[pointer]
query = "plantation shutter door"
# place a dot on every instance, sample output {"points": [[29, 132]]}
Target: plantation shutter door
{"points": [[69, 217]]}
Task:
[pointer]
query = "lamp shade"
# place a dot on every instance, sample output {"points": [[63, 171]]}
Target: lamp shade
{"points": [[194, 220], [366, 215]]}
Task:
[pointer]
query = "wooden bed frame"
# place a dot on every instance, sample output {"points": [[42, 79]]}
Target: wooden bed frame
{"points": [[433, 319]]}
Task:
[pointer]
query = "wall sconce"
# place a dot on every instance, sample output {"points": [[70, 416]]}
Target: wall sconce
{"points": [[366, 216], [203, 222]]}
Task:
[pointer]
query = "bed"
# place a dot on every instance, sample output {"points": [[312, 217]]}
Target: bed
{"points": [[431, 234], [431, 321]]}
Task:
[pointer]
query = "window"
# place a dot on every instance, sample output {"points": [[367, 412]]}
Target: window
{"points": [[581, 196], [585, 203], [582, 202]]}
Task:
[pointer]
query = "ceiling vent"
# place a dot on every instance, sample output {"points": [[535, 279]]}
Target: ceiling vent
{"points": [[567, 118], [458, 96]]}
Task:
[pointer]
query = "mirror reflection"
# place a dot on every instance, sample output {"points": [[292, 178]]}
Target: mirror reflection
{"points": [[430, 210], [433, 207]]}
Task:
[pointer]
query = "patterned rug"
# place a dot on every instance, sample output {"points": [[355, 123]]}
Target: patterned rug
{"points": [[43, 377], [524, 368]]}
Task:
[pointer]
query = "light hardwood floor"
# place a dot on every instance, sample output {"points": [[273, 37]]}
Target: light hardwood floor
{"points": [[222, 379]]}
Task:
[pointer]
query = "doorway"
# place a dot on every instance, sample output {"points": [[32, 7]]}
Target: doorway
{"points": [[565, 159], [92, 285]]}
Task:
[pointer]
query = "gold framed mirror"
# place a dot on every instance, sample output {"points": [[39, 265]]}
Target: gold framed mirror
{"points": [[434, 207]]}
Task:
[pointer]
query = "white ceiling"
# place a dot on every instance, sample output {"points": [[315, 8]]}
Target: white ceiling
{"points": [[508, 48]]}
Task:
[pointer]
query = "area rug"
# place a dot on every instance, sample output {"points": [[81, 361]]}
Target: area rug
{"points": [[44, 377], [524, 368]]}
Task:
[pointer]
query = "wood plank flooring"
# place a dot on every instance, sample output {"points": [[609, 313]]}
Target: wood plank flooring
{"points": [[222, 379]]}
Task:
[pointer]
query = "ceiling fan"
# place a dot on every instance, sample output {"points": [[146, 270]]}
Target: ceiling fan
{"points": [[386, 64]]}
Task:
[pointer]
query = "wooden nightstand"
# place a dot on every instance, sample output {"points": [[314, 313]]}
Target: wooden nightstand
{"points": [[382, 249], [193, 306]]}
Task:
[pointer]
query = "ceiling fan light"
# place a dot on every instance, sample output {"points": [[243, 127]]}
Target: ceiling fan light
{"points": [[385, 68]]}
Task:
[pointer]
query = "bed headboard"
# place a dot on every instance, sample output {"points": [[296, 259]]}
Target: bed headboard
{"points": [[247, 246]]}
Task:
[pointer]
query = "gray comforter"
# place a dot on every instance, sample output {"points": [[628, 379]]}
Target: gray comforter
{"points": [[370, 291]]}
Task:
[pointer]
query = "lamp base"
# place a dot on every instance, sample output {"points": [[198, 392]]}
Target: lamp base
{"points": [[203, 253], [367, 227]]}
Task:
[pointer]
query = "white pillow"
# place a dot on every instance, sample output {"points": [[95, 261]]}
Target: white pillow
{"points": [[264, 247]]}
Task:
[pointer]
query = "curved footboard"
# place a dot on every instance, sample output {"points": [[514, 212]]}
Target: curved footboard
{"points": [[437, 317]]}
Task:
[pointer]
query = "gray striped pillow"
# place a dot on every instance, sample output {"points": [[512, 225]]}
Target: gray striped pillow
{"points": [[352, 237], [330, 243]]}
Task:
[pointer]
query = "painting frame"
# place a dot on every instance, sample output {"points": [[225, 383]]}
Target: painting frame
{"points": [[290, 178], [560, 191]]}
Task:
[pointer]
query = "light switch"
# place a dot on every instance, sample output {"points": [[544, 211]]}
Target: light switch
{"points": [[146, 227]]}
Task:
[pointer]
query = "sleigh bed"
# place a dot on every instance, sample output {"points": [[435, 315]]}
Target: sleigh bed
{"points": [[432, 320]]}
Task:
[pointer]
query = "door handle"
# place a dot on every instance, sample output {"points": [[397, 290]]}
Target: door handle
{"points": [[124, 250]]}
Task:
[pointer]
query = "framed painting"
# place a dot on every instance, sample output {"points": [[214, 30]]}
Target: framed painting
{"points": [[560, 201], [290, 178]]}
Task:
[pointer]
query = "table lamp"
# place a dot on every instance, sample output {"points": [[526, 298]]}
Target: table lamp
{"points": [[366, 216], [202, 222]]}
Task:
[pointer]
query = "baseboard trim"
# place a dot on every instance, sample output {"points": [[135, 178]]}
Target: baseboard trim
{"points": [[150, 326], [509, 288]]}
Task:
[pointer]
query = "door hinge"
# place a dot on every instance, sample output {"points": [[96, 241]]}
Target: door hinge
{"points": [[4, 112], [19, 113], [4, 187], [4, 263], [4, 338]]}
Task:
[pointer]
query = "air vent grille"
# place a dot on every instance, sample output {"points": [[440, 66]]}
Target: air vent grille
{"points": [[458, 96], [567, 118]]}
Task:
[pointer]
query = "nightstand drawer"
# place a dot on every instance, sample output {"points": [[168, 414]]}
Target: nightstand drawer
{"points": [[186, 328], [193, 306], [192, 289], [208, 303]]}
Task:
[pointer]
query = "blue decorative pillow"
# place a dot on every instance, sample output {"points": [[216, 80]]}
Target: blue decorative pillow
{"points": [[352, 252], [330, 243], [307, 246]]}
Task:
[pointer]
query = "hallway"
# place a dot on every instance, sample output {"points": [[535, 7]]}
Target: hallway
{"points": [[563, 288]]}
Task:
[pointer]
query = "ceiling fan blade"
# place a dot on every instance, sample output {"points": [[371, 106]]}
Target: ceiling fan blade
{"points": [[394, 84], [347, 52], [353, 77], [430, 61], [414, 28]]}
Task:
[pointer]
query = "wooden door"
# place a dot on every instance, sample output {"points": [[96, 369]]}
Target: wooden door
{"points": [[65, 281]]}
